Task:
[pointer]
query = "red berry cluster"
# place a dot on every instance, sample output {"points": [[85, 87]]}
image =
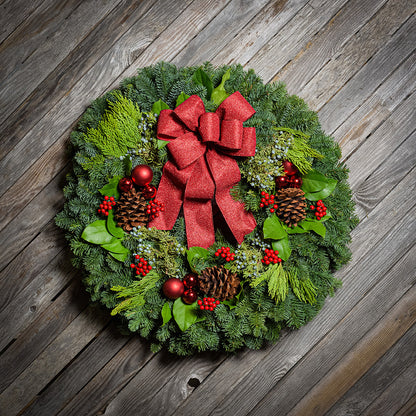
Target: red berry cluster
{"points": [[106, 205], [154, 208], [268, 200], [142, 267], [209, 304], [224, 252], [271, 257], [320, 210]]}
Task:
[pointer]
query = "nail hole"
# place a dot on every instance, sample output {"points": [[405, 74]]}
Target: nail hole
{"points": [[33, 308], [194, 382]]}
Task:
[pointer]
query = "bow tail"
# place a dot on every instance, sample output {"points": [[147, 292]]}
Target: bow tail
{"points": [[170, 192], [226, 174], [197, 206]]}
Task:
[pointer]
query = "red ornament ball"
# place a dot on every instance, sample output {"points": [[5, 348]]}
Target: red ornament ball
{"points": [[149, 191], [281, 182], [125, 184], [290, 168], [142, 175], [173, 288], [189, 296], [295, 182], [190, 280]]}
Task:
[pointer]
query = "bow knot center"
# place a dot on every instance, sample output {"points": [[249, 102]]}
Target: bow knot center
{"points": [[209, 127]]}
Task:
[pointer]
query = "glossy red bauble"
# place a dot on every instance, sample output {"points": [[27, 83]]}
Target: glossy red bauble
{"points": [[190, 280], [142, 175], [125, 184], [149, 191], [281, 182], [296, 182], [173, 288], [189, 296], [290, 168]]}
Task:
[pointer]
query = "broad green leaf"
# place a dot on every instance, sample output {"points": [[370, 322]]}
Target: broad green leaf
{"points": [[162, 143], [200, 77], [314, 181], [111, 189], [294, 230], [166, 313], [323, 193], [184, 315], [115, 246], [158, 106], [119, 256], [112, 226], [182, 97], [283, 248], [313, 225], [97, 233], [219, 94], [272, 228], [194, 253]]}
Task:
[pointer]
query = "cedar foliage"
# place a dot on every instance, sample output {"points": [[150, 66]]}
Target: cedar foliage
{"points": [[255, 318]]}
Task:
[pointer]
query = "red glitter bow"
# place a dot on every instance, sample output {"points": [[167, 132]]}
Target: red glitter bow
{"points": [[202, 148]]}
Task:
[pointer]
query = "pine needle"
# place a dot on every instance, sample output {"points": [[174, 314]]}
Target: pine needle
{"points": [[304, 289]]}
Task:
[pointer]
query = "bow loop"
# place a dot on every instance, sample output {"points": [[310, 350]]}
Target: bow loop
{"points": [[209, 127]]}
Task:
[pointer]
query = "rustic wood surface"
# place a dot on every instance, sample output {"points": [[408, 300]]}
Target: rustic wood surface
{"points": [[354, 62]]}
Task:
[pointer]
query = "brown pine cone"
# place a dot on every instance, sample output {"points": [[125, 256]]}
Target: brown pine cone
{"points": [[291, 206], [218, 282], [130, 210]]}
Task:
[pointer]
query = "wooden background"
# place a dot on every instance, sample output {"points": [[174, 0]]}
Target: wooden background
{"points": [[353, 61]]}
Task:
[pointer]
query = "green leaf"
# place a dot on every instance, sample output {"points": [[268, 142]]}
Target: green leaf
{"points": [[115, 246], [182, 97], [313, 225], [200, 77], [112, 226], [327, 217], [272, 228], [184, 315], [158, 106], [119, 256], [283, 248], [317, 186], [294, 230], [111, 189], [166, 313], [219, 94], [162, 143], [195, 253], [97, 233]]}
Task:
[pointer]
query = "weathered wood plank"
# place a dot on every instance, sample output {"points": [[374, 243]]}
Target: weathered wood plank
{"points": [[84, 367], [219, 31], [94, 397], [409, 409], [41, 332], [286, 389], [383, 141], [13, 13], [52, 360], [258, 32], [363, 121], [348, 60], [379, 378], [357, 361], [30, 301], [385, 177], [296, 34], [94, 83], [318, 364], [41, 43], [69, 70], [327, 43], [371, 75], [40, 251], [266, 367]]}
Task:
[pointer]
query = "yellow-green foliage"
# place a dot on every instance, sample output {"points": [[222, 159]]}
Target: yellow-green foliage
{"points": [[304, 289], [118, 130]]}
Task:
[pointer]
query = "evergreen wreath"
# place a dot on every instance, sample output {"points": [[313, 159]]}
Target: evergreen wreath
{"points": [[246, 286]]}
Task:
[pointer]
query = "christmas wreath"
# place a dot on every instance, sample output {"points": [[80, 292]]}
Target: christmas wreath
{"points": [[207, 209]]}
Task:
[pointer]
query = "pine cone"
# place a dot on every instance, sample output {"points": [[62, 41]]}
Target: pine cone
{"points": [[291, 206], [218, 282], [130, 210]]}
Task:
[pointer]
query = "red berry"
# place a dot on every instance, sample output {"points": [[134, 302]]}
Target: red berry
{"points": [[271, 210], [106, 197]]}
